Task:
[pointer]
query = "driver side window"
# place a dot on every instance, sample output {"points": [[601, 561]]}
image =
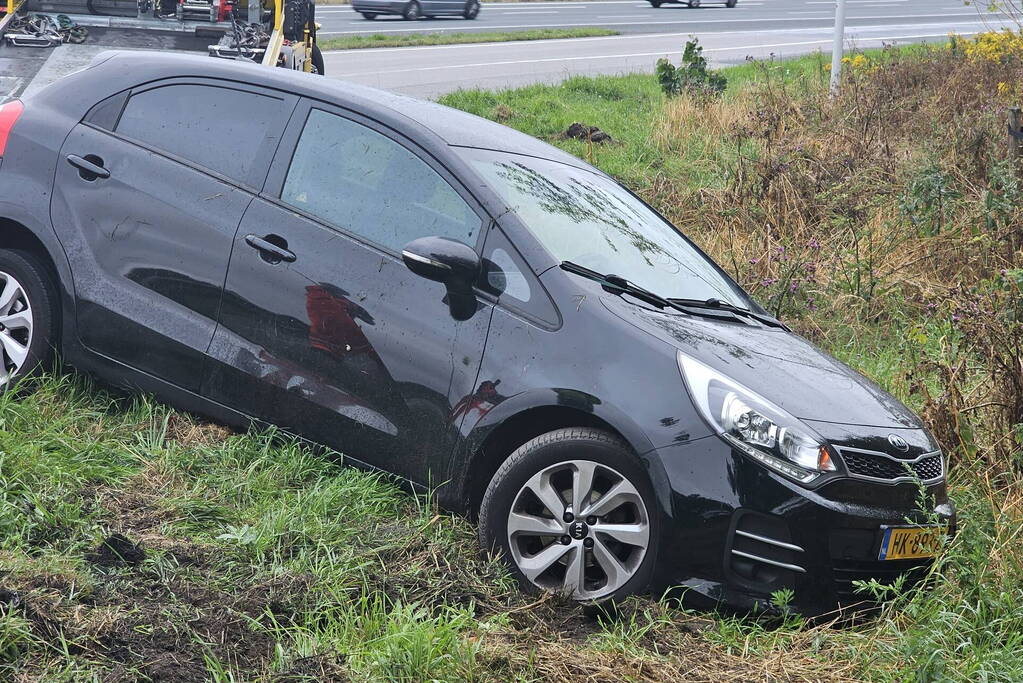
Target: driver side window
{"points": [[367, 184]]}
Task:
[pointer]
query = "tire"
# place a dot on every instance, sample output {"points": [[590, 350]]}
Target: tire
{"points": [[694, 4], [550, 464], [413, 12], [296, 16], [317, 58], [656, 3], [369, 16], [26, 341], [731, 3], [472, 9]]}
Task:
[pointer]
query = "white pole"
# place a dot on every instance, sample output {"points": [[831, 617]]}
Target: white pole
{"points": [[836, 49]]}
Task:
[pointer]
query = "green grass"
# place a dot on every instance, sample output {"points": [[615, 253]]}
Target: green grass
{"points": [[420, 39], [263, 560]]}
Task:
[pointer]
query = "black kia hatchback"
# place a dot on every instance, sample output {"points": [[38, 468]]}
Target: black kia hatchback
{"points": [[461, 305]]}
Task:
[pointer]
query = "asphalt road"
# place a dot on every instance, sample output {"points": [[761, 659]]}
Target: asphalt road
{"points": [[637, 16], [759, 29]]}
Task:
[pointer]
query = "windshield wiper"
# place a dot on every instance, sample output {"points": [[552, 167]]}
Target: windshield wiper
{"points": [[718, 304], [619, 285]]}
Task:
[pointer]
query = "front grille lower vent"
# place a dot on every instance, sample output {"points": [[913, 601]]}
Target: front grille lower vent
{"points": [[879, 466], [762, 554]]}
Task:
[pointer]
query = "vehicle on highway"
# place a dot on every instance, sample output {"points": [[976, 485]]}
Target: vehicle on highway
{"points": [[412, 10], [692, 3], [461, 305]]}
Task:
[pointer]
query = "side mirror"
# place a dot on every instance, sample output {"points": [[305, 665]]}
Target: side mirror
{"points": [[443, 260], [450, 262]]}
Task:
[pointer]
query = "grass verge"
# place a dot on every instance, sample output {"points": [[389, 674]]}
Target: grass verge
{"points": [[421, 39]]}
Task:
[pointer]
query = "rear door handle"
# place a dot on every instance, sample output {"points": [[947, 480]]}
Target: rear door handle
{"points": [[89, 167], [272, 248]]}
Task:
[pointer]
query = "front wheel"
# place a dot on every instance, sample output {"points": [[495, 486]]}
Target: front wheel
{"points": [[412, 11], [29, 315], [656, 3], [573, 512], [694, 3], [472, 9], [369, 16], [731, 3], [317, 58]]}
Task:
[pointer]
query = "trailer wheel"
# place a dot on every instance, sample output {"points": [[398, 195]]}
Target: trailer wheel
{"points": [[317, 58]]}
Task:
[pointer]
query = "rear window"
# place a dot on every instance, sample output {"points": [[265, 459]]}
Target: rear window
{"points": [[225, 130]]}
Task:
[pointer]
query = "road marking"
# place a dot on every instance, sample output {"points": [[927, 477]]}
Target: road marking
{"points": [[802, 43], [551, 12], [620, 16], [668, 23]]}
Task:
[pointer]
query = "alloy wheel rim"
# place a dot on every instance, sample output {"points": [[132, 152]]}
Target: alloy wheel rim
{"points": [[578, 528], [16, 326], [413, 10]]}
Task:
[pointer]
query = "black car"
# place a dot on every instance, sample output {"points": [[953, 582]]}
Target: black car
{"points": [[445, 299], [412, 10]]}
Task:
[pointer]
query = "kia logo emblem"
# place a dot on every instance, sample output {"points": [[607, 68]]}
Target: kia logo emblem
{"points": [[578, 530], [898, 443]]}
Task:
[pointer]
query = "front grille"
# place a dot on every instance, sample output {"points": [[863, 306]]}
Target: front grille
{"points": [[886, 468], [847, 572]]}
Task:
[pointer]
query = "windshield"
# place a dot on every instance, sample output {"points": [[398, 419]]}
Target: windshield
{"points": [[588, 219]]}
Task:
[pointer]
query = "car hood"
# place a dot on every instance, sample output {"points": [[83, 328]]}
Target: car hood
{"points": [[779, 365]]}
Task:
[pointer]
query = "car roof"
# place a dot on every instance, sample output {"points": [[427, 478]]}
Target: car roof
{"points": [[454, 127]]}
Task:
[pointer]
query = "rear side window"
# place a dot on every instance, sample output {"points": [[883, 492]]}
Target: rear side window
{"points": [[369, 185], [223, 129]]}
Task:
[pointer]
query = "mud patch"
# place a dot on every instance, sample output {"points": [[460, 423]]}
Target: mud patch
{"points": [[117, 550], [580, 131]]}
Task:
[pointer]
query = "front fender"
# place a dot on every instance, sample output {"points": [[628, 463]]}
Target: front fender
{"points": [[567, 402]]}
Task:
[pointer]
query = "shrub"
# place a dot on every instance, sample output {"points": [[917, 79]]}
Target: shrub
{"points": [[692, 76]]}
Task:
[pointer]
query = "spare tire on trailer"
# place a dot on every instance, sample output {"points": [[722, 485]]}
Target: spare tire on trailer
{"points": [[297, 14]]}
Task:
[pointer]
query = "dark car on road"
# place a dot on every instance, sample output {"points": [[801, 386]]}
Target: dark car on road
{"points": [[417, 9], [463, 306], [692, 3]]}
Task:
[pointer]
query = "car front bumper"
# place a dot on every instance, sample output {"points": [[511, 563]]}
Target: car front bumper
{"points": [[737, 533]]}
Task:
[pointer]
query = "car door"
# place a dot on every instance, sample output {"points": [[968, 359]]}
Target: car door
{"points": [[147, 197], [323, 330]]}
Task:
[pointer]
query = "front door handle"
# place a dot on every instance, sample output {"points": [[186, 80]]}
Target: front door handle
{"points": [[89, 167], [272, 248]]}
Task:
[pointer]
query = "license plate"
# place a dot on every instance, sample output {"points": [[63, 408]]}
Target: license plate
{"points": [[907, 543]]}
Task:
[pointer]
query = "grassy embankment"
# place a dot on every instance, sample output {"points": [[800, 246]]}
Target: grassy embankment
{"points": [[421, 39], [886, 226]]}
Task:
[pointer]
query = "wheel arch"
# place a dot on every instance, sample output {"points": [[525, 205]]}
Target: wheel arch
{"points": [[519, 419], [20, 233]]}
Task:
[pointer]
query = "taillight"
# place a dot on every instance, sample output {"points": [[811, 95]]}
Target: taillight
{"points": [[9, 114]]}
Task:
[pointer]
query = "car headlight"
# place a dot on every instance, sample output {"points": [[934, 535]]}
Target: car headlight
{"points": [[754, 425]]}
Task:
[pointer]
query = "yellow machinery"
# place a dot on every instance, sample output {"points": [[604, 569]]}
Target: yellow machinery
{"points": [[293, 38], [287, 39]]}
